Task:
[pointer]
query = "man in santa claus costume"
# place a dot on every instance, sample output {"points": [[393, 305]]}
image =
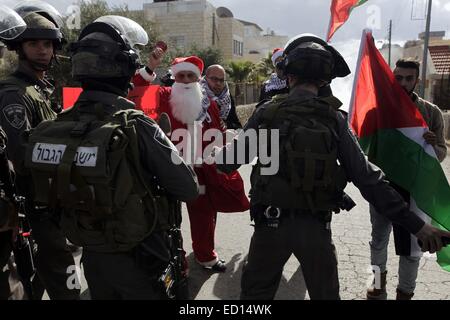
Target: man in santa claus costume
{"points": [[188, 106]]}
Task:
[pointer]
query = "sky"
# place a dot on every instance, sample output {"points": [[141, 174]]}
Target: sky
{"points": [[291, 17]]}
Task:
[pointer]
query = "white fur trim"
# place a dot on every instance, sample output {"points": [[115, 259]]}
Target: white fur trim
{"points": [[146, 76], [276, 55], [185, 66]]}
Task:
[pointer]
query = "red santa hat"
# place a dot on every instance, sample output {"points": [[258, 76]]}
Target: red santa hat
{"points": [[192, 63], [277, 52]]}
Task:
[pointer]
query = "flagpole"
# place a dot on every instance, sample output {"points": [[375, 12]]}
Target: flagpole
{"points": [[362, 47], [390, 42], [425, 50]]}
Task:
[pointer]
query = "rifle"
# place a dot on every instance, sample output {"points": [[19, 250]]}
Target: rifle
{"points": [[6, 184], [25, 250], [12, 213], [174, 274], [174, 277]]}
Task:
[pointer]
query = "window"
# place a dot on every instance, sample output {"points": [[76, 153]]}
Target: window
{"points": [[238, 48], [178, 42]]}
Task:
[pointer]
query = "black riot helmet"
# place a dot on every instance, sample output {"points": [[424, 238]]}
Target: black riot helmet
{"points": [[311, 58], [43, 22], [107, 48]]}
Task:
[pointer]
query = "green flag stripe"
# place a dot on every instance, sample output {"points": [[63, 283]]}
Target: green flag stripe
{"points": [[360, 2], [357, 4], [443, 256], [406, 164]]}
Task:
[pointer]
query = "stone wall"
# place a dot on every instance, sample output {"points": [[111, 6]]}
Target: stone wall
{"points": [[447, 124]]}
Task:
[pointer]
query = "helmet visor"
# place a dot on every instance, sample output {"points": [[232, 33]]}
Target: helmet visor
{"points": [[130, 30], [24, 8], [11, 24]]}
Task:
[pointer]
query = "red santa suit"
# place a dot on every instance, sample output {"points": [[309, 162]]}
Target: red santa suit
{"points": [[218, 192], [143, 78]]}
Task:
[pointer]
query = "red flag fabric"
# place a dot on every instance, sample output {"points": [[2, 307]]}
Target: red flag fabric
{"points": [[378, 101], [146, 98], [70, 96], [340, 11]]}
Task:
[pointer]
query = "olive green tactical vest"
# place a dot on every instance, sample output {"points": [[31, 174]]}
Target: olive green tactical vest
{"points": [[87, 163], [41, 106], [309, 177]]}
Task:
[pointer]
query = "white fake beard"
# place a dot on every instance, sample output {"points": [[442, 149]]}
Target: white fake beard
{"points": [[186, 101]]}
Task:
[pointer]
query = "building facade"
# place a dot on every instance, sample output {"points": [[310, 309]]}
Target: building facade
{"points": [[184, 24]]}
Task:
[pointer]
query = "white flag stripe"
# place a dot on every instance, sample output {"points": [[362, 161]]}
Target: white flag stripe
{"points": [[416, 135]]}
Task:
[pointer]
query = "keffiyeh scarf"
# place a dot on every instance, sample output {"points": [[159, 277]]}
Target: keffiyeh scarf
{"points": [[205, 105], [223, 100], [274, 83]]}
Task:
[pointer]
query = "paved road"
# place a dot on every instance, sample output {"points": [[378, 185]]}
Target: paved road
{"points": [[351, 233]]}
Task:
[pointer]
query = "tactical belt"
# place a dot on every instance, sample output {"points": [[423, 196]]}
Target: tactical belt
{"points": [[282, 214]]}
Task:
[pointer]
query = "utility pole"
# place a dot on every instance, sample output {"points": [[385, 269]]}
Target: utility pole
{"points": [[390, 42], [425, 50], [214, 29]]}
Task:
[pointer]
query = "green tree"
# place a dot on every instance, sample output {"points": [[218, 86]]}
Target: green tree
{"points": [[265, 66], [263, 69], [8, 63], [239, 70], [209, 55]]}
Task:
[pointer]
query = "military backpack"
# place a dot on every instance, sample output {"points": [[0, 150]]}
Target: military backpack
{"points": [[86, 165], [309, 175]]}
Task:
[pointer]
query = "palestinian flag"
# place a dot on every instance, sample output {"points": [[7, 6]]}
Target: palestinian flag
{"points": [[340, 11], [390, 127]]}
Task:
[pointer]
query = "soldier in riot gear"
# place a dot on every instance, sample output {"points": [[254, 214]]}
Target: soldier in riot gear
{"points": [[8, 218], [106, 164], [11, 26], [318, 154], [24, 103]]}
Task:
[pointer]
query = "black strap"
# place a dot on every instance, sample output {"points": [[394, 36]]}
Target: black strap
{"points": [[133, 155]]}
